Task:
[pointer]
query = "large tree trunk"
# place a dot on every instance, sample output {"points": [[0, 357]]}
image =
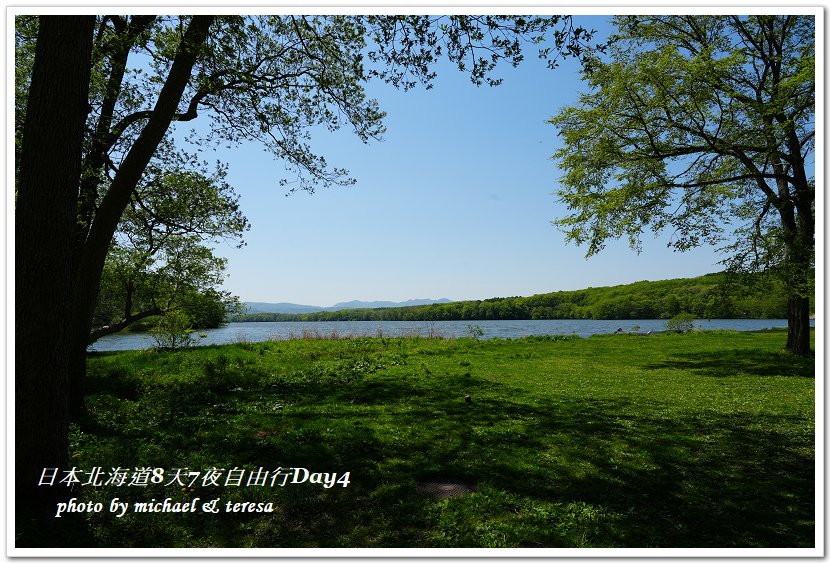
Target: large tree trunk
{"points": [[802, 280], [45, 214], [798, 325], [799, 238]]}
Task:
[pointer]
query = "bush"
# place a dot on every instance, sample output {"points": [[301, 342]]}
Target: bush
{"points": [[173, 331], [681, 322], [475, 331]]}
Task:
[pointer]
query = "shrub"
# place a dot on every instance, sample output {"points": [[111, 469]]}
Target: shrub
{"points": [[681, 322], [475, 331], [173, 331]]}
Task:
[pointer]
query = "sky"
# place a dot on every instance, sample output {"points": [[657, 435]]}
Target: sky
{"points": [[456, 202]]}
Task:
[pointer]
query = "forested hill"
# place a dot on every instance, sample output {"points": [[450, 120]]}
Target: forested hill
{"points": [[705, 297]]}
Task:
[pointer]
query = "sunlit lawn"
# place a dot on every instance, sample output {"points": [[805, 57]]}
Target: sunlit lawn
{"points": [[666, 440]]}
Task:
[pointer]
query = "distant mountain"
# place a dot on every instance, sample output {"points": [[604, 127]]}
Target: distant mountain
{"points": [[289, 308], [381, 304], [294, 309]]}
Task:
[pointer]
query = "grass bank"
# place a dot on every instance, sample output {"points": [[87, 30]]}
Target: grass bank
{"points": [[667, 440]]}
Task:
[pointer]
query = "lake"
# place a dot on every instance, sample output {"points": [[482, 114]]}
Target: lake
{"points": [[260, 332]]}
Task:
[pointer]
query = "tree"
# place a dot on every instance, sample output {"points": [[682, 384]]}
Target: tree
{"points": [[182, 276], [700, 124], [269, 79], [157, 261], [49, 167]]}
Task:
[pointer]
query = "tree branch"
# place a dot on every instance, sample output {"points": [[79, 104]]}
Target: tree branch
{"points": [[121, 325]]}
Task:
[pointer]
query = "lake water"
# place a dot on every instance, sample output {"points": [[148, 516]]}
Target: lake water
{"points": [[260, 332]]}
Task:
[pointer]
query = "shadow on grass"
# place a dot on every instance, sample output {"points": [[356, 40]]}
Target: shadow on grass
{"points": [[679, 482], [730, 363], [550, 473]]}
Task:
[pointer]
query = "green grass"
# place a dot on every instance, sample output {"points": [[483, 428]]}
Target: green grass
{"points": [[696, 440]]}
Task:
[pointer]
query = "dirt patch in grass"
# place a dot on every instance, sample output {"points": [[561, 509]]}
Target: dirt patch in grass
{"points": [[441, 488]]}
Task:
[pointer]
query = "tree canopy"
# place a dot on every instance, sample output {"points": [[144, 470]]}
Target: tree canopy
{"points": [[159, 261], [704, 126]]}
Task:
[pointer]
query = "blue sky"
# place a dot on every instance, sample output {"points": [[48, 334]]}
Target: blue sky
{"points": [[456, 202]]}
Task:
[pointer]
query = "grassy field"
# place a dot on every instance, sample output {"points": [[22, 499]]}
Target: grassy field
{"points": [[666, 440]]}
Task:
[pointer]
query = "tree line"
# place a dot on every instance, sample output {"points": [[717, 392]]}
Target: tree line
{"points": [[710, 296]]}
